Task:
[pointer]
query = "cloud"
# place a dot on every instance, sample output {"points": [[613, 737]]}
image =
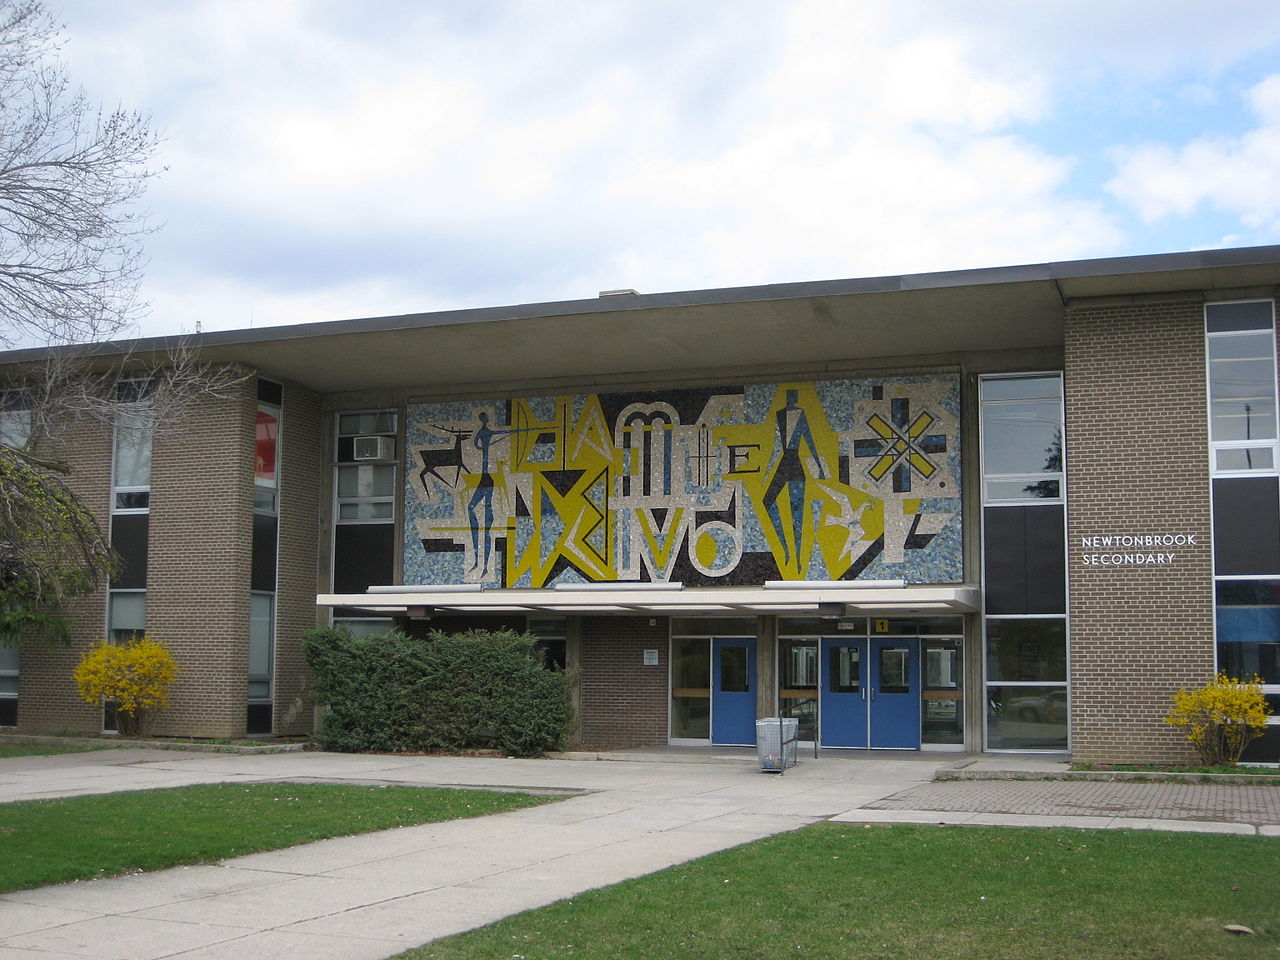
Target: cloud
{"points": [[433, 154], [1238, 175]]}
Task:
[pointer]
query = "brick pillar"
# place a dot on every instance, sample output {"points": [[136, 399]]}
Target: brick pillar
{"points": [[1137, 464], [199, 561], [300, 466]]}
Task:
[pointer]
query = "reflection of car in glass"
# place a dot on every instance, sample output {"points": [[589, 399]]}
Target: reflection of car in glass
{"points": [[1048, 707]]}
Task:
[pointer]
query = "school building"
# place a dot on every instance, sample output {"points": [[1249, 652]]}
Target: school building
{"points": [[1000, 509]]}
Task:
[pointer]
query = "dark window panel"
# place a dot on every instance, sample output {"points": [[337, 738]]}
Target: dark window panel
{"points": [[258, 718], [269, 392], [1266, 749], [1228, 317], [1246, 526], [363, 556], [129, 540], [1024, 549], [263, 576]]}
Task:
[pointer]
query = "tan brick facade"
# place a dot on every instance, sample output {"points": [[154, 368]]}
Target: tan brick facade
{"points": [[198, 562], [624, 702], [1137, 464], [47, 699], [300, 473]]}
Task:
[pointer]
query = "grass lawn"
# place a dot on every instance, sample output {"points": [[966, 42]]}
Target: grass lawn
{"points": [[849, 892], [79, 838], [41, 749]]}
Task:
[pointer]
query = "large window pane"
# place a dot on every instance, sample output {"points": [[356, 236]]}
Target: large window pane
{"points": [[133, 451], [126, 614], [1026, 650], [1242, 386], [262, 608], [367, 480], [1022, 436], [1249, 629], [1026, 718]]}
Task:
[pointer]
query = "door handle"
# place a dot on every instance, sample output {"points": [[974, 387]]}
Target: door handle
{"points": [[873, 693]]}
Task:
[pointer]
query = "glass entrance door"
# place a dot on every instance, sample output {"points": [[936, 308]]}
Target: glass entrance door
{"points": [[733, 691], [894, 694], [870, 693], [843, 700]]}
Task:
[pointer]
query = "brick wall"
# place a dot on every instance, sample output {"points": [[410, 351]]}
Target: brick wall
{"points": [[1137, 463], [624, 703], [47, 698], [300, 486], [198, 561]]}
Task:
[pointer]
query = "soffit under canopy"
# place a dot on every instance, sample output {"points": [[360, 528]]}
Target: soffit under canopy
{"points": [[837, 321]]}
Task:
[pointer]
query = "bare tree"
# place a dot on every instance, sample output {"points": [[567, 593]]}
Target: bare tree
{"points": [[70, 233], [71, 260]]}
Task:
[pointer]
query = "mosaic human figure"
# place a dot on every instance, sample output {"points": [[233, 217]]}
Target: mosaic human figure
{"points": [[483, 439], [794, 434]]}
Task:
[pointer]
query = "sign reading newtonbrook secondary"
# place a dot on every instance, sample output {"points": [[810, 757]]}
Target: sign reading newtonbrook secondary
{"points": [[1152, 549]]}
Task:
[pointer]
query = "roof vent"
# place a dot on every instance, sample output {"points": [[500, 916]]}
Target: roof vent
{"points": [[620, 292]]}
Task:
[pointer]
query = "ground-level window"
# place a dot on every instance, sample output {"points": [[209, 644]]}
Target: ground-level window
{"points": [[1248, 614], [8, 686], [1026, 683]]}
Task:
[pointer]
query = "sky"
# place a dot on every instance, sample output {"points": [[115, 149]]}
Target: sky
{"points": [[331, 159]]}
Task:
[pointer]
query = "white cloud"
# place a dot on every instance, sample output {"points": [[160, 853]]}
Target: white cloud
{"points": [[328, 159], [1238, 175]]}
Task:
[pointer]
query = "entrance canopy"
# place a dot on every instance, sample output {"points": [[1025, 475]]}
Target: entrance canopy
{"points": [[798, 597]]}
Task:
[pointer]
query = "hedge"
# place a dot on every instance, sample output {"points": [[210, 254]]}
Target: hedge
{"points": [[480, 689]]}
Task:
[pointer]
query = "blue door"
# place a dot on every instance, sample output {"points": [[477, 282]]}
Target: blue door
{"points": [[733, 691], [842, 696], [894, 691]]}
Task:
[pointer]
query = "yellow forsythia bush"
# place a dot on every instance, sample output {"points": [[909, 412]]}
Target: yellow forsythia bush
{"points": [[133, 676], [1221, 717]]}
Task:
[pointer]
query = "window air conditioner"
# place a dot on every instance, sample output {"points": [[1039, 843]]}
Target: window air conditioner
{"points": [[374, 448]]}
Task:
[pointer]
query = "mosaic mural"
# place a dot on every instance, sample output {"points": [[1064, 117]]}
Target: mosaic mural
{"points": [[831, 480]]}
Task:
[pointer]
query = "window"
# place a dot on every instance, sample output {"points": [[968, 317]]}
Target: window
{"points": [[1248, 616], [131, 469], [8, 686], [364, 484], [1241, 357], [15, 420], [126, 614], [1024, 562], [266, 460], [1022, 438], [262, 618], [1026, 683]]}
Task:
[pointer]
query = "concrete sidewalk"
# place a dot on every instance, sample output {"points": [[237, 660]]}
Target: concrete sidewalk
{"points": [[372, 896]]}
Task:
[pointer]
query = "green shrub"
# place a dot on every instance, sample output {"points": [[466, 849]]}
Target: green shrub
{"points": [[369, 684], [450, 692]]}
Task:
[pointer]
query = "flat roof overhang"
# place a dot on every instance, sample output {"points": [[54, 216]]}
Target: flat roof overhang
{"points": [[832, 322], [800, 598]]}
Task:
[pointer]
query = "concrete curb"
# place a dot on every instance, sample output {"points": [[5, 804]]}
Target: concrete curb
{"points": [[1137, 776], [115, 743]]}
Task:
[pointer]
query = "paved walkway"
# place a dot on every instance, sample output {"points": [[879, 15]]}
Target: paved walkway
{"points": [[372, 896], [1206, 808]]}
